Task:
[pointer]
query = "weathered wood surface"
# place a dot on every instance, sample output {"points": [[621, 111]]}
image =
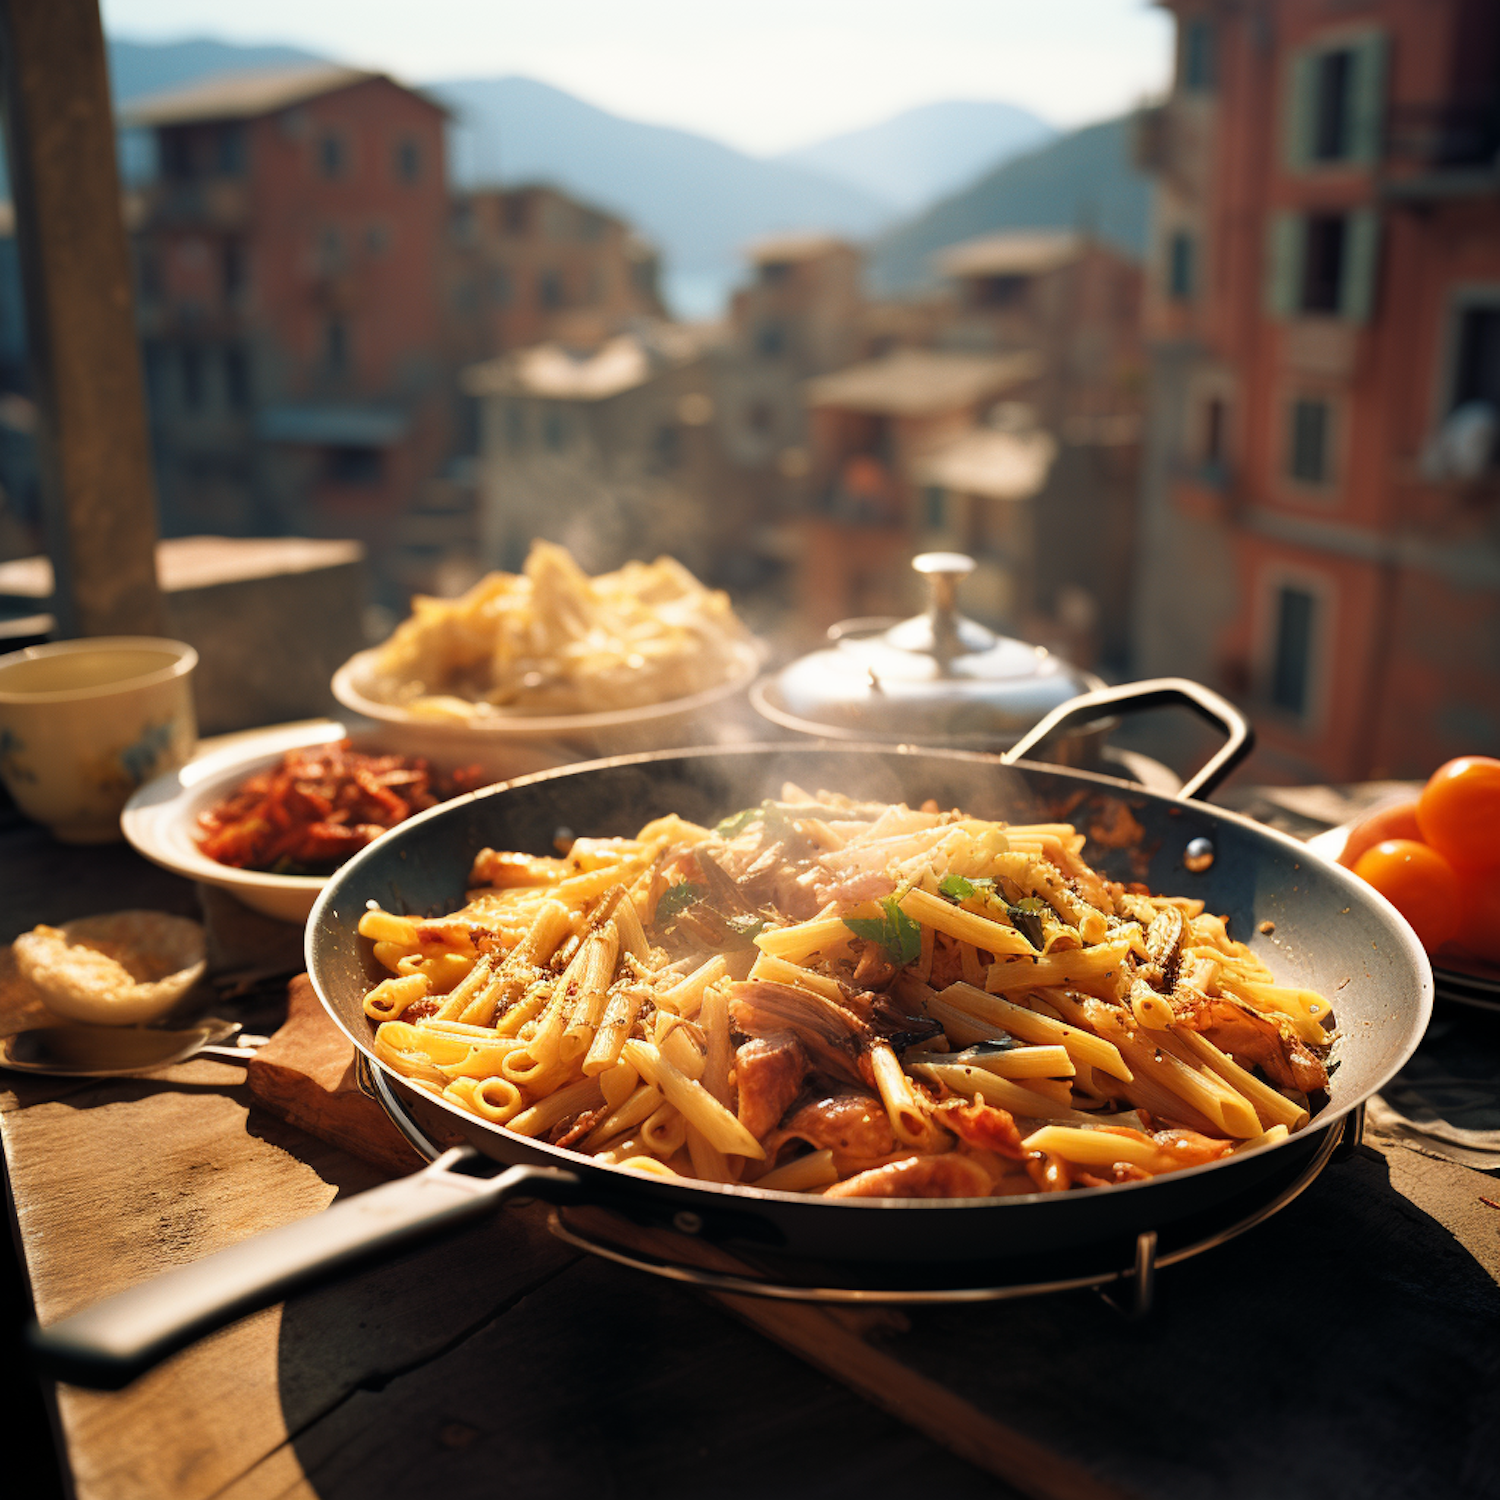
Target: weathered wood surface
{"points": [[1352, 1345], [1349, 1347]]}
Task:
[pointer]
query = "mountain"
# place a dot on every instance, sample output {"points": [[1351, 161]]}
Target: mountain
{"points": [[700, 201], [922, 154], [1083, 180], [140, 68]]}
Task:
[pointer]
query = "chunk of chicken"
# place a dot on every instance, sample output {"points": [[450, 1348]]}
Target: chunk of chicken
{"points": [[849, 1124], [948, 1176], [769, 1072]]}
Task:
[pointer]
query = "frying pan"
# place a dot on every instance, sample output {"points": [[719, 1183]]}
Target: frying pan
{"points": [[1332, 933]]}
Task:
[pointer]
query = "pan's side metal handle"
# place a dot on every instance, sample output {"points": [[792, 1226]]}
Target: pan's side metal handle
{"points": [[106, 1346], [1157, 692]]}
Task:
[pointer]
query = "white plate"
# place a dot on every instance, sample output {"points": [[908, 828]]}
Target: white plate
{"points": [[161, 819]]}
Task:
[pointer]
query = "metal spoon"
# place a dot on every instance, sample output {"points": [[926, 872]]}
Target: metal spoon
{"points": [[80, 1051]]}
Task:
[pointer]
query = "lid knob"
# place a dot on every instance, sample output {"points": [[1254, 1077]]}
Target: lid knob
{"points": [[944, 571]]}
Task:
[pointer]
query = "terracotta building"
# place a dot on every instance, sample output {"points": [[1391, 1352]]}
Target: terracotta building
{"points": [[530, 265], [1072, 300], [1321, 507], [874, 428], [289, 254]]}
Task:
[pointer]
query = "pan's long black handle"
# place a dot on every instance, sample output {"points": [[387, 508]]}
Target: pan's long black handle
{"points": [[106, 1346], [1157, 692]]}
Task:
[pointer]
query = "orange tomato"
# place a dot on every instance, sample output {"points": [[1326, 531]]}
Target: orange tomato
{"points": [[1420, 884], [1398, 821], [1479, 932], [1459, 812]]}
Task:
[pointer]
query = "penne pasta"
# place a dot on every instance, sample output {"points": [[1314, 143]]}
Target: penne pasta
{"points": [[928, 1003]]}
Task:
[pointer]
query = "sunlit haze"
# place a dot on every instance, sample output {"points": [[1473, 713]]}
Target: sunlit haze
{"points": [[765, 78]]}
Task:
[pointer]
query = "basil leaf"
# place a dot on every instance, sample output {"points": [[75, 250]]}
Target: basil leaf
{"points": [[677, 897], [746, 926], [1027, 915], [961, 887], [894, 931], [737, 822]]}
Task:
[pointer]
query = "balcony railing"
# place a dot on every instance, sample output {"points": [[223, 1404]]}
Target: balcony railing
{"points": [[1434, 136]]}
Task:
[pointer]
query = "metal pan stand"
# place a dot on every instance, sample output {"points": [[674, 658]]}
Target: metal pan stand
{"points": [[1130, 1289]]}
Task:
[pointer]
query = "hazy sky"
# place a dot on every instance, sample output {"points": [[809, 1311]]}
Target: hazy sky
{"points": [[765, 76]]}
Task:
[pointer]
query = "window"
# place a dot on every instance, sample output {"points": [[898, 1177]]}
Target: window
{"points": [[554, 429], [1215, 416], [237, 378], [233, 268], [336, 347], [500, 287], [775, 272], [1334, 107], [1196, 56], [667, 448], [934, 507], [770, 340], [332, 156], [1307, 460], [1332, 75], [156, 375], [377, 239], [1476, 376], [192, 378], [330, 249], [1180, 266], [148, 270], [550, 290], [176, 148], [515, 424], [760, 418], [408, 160], [517, 219], [998, 291], [353, 465], [1323, 263], [1291, 659], [232, 152]]}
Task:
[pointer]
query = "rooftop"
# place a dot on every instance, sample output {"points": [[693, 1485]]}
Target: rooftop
{"points": [[245, 95], [1012, 254], [550, 370], [779, 248], [994, 464], [920, 382]]}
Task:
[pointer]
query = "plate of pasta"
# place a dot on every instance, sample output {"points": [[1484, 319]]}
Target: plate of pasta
{"points": [[846, 998]]}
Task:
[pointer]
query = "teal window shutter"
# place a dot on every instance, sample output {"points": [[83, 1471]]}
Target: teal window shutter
{"points": [[1367, 97], [1361, 266], [1285, 250], [1297, 109]]}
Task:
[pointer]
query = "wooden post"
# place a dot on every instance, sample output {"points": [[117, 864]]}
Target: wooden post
{"points": [[94, 451]]}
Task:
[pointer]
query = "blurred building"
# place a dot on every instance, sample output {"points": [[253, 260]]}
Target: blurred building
{"points": [[289, 253], [530, 265], [874, 430], [1073, 301], [609, 451], [796, 318], [1321, 507]]}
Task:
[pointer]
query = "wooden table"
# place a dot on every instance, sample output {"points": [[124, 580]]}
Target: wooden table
{"points": [[1349, 1346]]}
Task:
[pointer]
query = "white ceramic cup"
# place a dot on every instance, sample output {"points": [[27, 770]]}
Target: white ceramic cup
{"points": [[84, 723]]}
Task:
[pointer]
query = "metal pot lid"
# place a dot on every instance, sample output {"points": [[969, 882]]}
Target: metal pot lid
{"points": [[937, 676]]}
